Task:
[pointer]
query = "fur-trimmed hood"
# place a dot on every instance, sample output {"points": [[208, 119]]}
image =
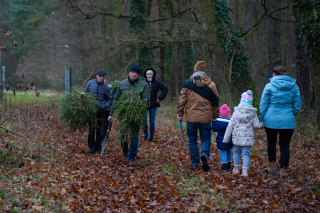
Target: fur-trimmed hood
{"points": [[244, 113]]}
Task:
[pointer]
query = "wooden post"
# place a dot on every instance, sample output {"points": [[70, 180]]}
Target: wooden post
{"points": [[68, 79], [3, 80]]}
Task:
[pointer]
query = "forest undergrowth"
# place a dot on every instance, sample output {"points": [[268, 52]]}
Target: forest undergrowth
{"points": [[46, 168]]}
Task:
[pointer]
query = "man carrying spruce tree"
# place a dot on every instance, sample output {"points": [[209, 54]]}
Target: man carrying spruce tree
{"points": [[101, 91], [136, 86], [199, 101]]}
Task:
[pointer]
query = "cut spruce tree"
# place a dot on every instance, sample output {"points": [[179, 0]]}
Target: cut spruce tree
{"points": [[130, 111], [114, 88], [78, 109]]}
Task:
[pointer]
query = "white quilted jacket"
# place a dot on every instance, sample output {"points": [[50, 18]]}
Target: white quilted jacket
{"points": [[241, 126]]}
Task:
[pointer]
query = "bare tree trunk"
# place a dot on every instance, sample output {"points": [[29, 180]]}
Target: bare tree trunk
{"points": [[163, 51], [311, 42], [180, 74], [304, 80], [274, 39], [238, 77], [173, 87]]}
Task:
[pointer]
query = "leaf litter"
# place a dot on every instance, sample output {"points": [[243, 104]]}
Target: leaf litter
{"points": [[61, 176]]}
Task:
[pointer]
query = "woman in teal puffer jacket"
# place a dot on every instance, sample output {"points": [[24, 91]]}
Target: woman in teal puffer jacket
{"points": [[279, 105]]}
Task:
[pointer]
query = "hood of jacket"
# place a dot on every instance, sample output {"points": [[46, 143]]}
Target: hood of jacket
{"points": [[244, 114], [145, 73], [200, 79], [282, 82]]}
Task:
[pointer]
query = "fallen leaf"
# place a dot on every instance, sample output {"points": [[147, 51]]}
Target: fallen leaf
{"points": [[63, 191], [38, 208], [39, 165]]}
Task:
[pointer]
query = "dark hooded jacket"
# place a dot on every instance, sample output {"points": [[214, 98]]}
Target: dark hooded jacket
{"points": [[154, 87], [220, 125]]}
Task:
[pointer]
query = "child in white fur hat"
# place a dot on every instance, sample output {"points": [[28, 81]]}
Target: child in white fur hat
{"points": [[241, 126]]}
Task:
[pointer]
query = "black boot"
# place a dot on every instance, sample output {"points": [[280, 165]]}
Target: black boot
{"points": [[224, 167], [205, 165], [229, 166]]}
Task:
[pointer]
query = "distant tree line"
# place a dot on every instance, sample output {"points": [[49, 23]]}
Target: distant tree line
{"points": [[241, 41]]}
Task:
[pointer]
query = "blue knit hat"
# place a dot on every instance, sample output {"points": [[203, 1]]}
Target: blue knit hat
{"points": [[135, 68]]}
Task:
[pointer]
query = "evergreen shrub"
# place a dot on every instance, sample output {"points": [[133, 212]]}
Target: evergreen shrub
{"points": [[114, 87], [130, 111], [78, 109]]}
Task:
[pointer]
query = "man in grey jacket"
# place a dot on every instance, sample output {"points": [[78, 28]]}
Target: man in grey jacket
{"points": [[101, 91]]}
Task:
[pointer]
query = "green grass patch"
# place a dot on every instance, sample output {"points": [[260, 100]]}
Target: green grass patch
{"points": [[170, 169], [191, 182], [167, 114], [46, 98]]}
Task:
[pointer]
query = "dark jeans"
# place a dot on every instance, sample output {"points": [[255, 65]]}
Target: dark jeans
{"points": [[152, 114], [284, 142], [133, 145], [205, 137], [96, 134]]}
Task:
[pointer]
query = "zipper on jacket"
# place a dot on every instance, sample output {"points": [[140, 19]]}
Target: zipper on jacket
{"points": [[149, 94], [98, 92]]}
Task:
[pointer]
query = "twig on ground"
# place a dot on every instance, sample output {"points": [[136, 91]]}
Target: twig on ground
{"points": [[13, 131]]}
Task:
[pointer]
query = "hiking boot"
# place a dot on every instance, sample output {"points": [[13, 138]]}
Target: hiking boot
{"points": [[236, 170], [125, 155], [245, 172], [91, 151], [224, 167], [272, 168], [195, 166], [229, 166], [283, 172], [205, 165], [145, 140], [132, 163]]}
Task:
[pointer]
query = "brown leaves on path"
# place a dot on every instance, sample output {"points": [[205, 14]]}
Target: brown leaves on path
{"points": [[63, 177]]}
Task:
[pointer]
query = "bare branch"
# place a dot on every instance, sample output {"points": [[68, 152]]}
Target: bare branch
{"points": [[2, 127], [231, 63], [126, 17], [20, 112], [267, 14], [85, 82]]}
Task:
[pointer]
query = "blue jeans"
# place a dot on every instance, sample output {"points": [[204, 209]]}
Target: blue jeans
{"points": [[225, 155], [245, 151], [152, 115], [205, 137], [133, 145]]}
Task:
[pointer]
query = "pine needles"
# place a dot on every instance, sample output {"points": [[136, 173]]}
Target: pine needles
{"points": [[114, 87], [78, 109], [130, 111]]}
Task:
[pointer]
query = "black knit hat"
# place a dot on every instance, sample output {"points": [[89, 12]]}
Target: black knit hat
{"points": [[135, 68]]}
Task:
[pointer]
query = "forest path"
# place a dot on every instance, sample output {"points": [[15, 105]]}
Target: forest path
{"points": [[60, 176]]}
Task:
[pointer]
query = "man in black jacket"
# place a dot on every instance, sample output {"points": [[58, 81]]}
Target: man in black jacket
{"points": [[101, 91]]}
